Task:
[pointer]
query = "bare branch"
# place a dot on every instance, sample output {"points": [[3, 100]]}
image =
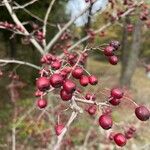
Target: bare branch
{"points": [[34, 16], [17, 21], [52, 42], [46, 18], [19, 62], [60, 137], [103, 27], [25, 5]]}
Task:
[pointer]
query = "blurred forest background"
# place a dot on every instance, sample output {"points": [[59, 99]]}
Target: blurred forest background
{"points": [[131, 71]]}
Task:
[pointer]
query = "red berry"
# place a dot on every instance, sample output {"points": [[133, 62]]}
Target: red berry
{"points": [[84, 80], [43, 83], [65, 96], [117, 93], [111, 136], [128, 135], [56, 65], [58, 129], [115, 44], [64, 74], [105, 121], [56, 80], [69, 86], [114, 101], [77, 72], [88, 96], [92, 110], [142, 113], [41, 103], [38, 93], [113, 59], [93, 80], [108, 51], [120, 139]]}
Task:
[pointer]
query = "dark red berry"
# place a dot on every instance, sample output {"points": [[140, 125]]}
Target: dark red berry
{"points": [[43, 83], [77, 72], [115, 44], [56, 65], [108, 51], [38, 93], [113, 59], [65, 96], [89, 96], [41, 103], [92, 110], [111, 136], [128, 135], [58, 129], [142, 113], [64, 74], [114, 101], [56, 80], [93, 80], [84, 80], [120, 139], [69, 86], [117, 93], [105, 121]]}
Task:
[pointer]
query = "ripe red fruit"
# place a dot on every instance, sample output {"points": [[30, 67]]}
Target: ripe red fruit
{"points": [[93, 80], [64, 74], [108, 51], [56, 65], [58, 129], [117, 93], [84, 80], [92, 110], [56, 80], [77, 72], [142, 113], [128, 135], [120, 139], [65, 96], [38, 93], [111, 136], [43, 84], [115, 44], [69, 86], [89, 96], [113, 59], [41, 103], [105, 121], [114, 101]]}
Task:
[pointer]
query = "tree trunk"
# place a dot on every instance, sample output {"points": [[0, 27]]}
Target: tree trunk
{"points": [[125, 45], [130, 64]]}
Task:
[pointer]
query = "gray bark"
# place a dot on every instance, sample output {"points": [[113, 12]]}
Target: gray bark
{"points": [[132, 58]]}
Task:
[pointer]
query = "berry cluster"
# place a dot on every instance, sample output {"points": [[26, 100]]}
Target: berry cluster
{"points": [[57, 75], [109, 52], [11, 26], [63, 73]]}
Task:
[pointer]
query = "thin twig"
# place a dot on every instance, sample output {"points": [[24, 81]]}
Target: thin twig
{"points": [[103, 27], [57, 36], [25, 5], [17, 21], [60, 137], [46, 19], [7, 61]]}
